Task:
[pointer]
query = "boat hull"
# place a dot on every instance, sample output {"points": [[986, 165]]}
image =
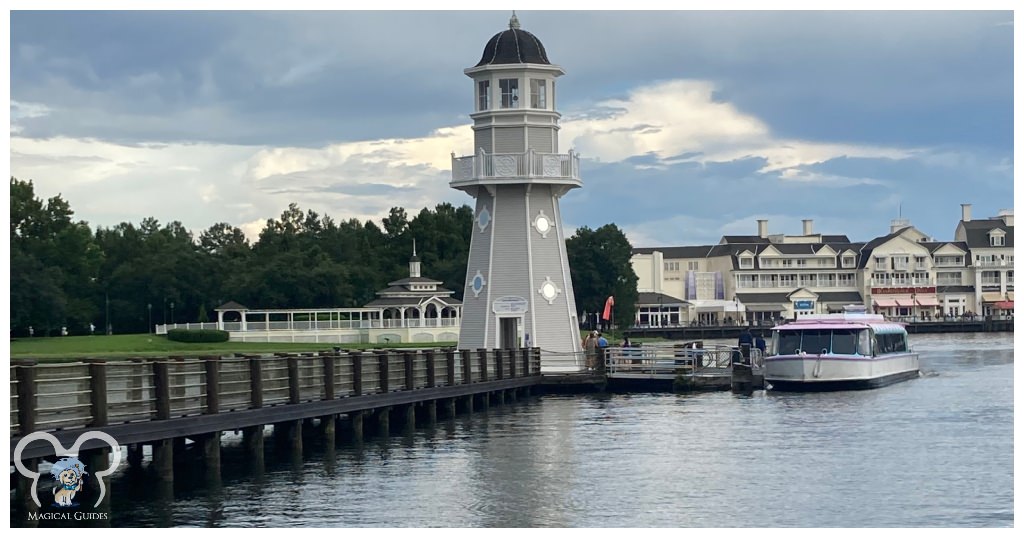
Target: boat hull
{"points": [[830, 373]]}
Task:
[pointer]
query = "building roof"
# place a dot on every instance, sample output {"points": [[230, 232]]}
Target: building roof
{"points": [[231, 305], [750, 298], [977, 232], [410, 301], [840, 297], [415, 293], [513, 46], [932, 246], [414, 280], [650, 298], [671, 253]]}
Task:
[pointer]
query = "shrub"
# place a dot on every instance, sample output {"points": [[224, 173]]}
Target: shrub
{"points": [[197, 335]]}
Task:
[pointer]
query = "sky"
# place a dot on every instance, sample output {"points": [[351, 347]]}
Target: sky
{"points": [[690, 124]]}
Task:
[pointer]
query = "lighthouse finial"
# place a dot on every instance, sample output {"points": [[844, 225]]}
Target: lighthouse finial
{"points": [[414, 247], [513, 23]]}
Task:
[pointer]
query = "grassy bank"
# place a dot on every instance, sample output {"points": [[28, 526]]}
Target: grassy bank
{"points": [[123, 346]]}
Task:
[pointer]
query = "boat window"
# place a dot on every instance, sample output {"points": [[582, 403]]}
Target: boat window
{"points": [[844, 341], [815, 341], [788, 342], [865, 342], [891, 343]]}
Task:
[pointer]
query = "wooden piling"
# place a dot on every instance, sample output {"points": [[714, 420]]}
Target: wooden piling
{"points": [[428, 356], [27, 403], [162, 390], [356, 420], [482, 357], [135, 455], [357, 376], [382, 370], [253, 442], [431, 406], [97, 392], [410, 419], [410, 379], [449, 358], [210, 445], [328, 361], [255, 381], [163, 458], [211, 365], [467, 367], [450, 408], [383, 421]]}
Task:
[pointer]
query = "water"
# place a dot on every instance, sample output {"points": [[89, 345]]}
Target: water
{"points": [[935, 451]]}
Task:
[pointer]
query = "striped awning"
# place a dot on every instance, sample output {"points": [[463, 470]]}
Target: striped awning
{"points": [[885, 303], [991, 297], [904, 302], [927, 301], [1004, 305]]}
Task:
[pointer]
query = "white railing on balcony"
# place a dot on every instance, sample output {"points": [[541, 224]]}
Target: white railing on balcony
{"points": [[993, 263], [529, 164], [236, 326]]}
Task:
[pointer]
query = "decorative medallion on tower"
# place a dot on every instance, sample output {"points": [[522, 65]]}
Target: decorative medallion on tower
{"points": [[549, 290], [543, 224], [478, 284], [483, 218], [517, 174]]}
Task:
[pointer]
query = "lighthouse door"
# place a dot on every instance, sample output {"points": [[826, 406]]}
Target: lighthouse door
{"points": [[508, 333]]}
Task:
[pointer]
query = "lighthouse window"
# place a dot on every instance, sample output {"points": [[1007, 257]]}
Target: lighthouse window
{"points": [[509, 92], [538, 93], [484, 93]]}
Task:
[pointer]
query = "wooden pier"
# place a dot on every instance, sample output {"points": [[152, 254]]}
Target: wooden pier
{"points": [[162, 402]]}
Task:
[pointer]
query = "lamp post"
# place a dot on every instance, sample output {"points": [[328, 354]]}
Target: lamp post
{"points": [[106, 320], [172, 312], [149, 308]]}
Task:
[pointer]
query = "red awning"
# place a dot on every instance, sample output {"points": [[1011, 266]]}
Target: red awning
{"points": [[904, 302], [1004, 305], [885, 303], [927, 301]]}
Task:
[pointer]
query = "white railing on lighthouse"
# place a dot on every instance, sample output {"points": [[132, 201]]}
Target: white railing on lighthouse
{"points": [[529, 164]]}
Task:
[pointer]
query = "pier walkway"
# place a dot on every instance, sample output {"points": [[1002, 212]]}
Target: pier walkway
{"points": [[157, 401]]}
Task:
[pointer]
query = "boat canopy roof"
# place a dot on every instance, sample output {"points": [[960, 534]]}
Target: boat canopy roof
{"points": [[844, 321]]}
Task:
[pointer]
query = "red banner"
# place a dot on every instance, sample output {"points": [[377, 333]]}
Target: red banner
{"points": [[608, 308]]}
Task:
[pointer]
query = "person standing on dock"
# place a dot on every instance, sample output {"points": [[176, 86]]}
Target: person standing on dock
{"points": [[590, 346], [746, 338], [759, 343]]}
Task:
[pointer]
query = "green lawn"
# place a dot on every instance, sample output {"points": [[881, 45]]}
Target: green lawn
{"points": [[123, 346]]}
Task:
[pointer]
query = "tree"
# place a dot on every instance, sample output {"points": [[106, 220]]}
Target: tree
{"points": [[600, 267]]}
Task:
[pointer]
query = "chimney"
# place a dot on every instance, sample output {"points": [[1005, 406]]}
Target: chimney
{"points": [[762, 229], [1007, 216], [965, 210], [808, 227]]}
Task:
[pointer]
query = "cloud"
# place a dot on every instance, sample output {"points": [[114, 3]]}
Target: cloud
{"points": [[680, 121]]}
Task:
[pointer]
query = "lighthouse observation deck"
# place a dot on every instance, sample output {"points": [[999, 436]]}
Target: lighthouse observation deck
{"points": [[505, 168]]}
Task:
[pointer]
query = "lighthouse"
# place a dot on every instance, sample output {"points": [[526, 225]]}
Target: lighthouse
{"points": [[518, 287]]}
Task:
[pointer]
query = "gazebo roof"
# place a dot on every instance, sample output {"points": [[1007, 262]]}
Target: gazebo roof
{"points": [[231, 305]]}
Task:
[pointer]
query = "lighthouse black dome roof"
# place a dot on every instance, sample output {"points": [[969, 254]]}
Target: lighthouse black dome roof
{"points": [[514, 46]]}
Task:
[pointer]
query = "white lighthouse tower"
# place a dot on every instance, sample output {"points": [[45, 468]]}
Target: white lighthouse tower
{"points": [[518, 288]]}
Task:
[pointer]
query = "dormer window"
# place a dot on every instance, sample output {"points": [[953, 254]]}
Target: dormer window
{"points": [[538, 93], [849, 261], [998, 241], [509, 92], [747, 262], [483, 94]]}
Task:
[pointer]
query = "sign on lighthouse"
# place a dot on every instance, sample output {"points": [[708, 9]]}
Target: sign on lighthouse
{"points": [[518, 287]]}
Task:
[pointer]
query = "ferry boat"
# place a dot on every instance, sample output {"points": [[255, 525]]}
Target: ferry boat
{"points": [[847, 351]]}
